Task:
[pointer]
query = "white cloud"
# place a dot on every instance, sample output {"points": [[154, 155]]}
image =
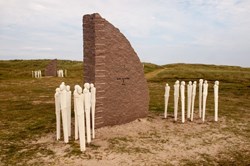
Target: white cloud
{"points": [[161, 31]]}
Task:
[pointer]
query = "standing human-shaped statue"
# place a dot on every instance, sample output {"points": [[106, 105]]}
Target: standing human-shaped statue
{"points": [[87, 105], [62, 73], [189, 100], [176, 98], [200, 96], [75, 111], [193, 99], [40, 74], [63, 106], [65, 73], [93, 101], [216, 97], [182, 101], [69, 108], [35, 74], [32, 74], [205, 91], [166, 97], [58, 113], [79, 97]]}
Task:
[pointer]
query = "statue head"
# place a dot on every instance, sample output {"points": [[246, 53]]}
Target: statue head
{"points": [[195, 82], [190, 82], [91, 85], [182, 82], [166, 84], [79, 89], [57, 90], [177, 82], [68, 88], [201, 81], [62, 87], [205, 81], [216, 82], [86, 85]]}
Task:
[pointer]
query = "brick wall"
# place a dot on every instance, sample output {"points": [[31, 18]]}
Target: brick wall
{"points": [[51, 68], [113, 66]]}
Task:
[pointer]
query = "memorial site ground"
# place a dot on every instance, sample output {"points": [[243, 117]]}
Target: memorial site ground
{"points": [[28, 122]]}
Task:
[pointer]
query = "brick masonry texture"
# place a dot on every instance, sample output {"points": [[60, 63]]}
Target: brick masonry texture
{"points": [[113, 66], [51, 68]]}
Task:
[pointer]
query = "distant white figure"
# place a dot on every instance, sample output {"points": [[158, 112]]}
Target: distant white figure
{"points": [[182, 101], [87, 105], [40, 73], [79, 97], [65, 73], [93, 101], [166, 97], [63, 106], [189, 100], [69, 108], [32, 74], [200, 96], [176, 99], [60, 73], [193, 99], [36, 76], [75, 111], [58, 113], [205, 90], [216, 97]]}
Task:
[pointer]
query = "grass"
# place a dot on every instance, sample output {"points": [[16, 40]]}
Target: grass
{"points": [[27, 106]]}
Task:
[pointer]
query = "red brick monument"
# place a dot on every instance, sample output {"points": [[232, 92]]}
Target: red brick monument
{"points": [[51, 68], [112, 65]]}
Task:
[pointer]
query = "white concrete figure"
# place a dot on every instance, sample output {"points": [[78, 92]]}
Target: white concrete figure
{"points": [[87, 105], [79, 97], [65, 73], [60, 73], [36, 74], [40, 73], [176, 99], [189, 100], [58, 113], [182, 101], [200, 96], [32, 74], [75, 111], [205, 90], [63, 106], [69, 108], [216, 97], [193, 99], [166, 97], [93, 101]]}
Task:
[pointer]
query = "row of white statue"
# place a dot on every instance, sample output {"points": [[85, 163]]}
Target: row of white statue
{"points": [[84, 109], [60, 73], [191, 93], [37, 74]]}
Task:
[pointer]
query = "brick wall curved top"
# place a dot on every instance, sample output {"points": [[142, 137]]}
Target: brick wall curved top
{"points": [[113, 66], [51, 68]]}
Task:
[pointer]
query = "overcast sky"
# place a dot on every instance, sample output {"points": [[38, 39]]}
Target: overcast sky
{"points": [[160, 31]]}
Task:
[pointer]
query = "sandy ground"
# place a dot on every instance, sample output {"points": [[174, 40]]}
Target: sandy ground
{"points": [[149, 141]]}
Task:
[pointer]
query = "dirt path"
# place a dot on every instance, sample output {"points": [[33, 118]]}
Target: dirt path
{"points": [[152, 74]]}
